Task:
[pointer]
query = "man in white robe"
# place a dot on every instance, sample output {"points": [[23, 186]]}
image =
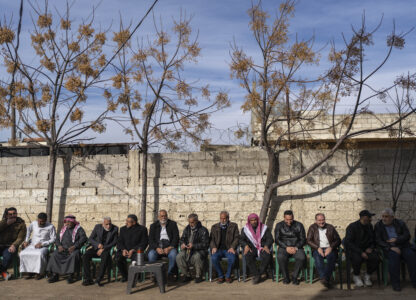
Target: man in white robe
{"points": [[33, 258]]}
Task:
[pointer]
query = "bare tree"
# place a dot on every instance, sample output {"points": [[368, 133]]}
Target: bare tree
{"points": [[50, 92], [161, 106], [290, 109], [404, 137]]}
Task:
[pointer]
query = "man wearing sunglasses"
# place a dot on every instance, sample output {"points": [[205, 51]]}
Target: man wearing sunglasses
{"points": [[12, 234]]}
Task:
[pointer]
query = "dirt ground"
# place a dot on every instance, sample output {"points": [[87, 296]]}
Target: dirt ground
{"points": [[33, 289]]}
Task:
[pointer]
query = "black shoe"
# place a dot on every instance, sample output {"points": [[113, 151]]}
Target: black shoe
{"points": [[30, 276], [286, 281], [98, 283], [39, 276], [87, 282], [124, 279], [186, 278], [295, 281], [171, 277], [54, 278], [256, 279], [70, 279], [397, 288], [198, 279]]}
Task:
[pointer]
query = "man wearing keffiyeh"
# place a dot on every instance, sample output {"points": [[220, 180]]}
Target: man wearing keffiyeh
{"points": [[256, 240], [66, 260]]}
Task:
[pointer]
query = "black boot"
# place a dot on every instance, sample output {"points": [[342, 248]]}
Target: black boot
{"points": [[54, 278], [70, 279]]}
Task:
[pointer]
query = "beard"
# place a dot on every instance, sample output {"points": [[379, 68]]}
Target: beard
{"points": [[163, 222]]}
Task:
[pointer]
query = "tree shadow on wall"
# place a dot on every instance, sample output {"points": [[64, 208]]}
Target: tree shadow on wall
{"points": [[156, 159], [277, 201]]}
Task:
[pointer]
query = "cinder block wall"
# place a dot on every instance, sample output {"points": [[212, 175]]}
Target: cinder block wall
{"points": [[206, 183]]}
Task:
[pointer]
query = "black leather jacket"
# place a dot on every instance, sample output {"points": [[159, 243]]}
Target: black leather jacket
{"points": [[403, 235], [200, 241], [290, 236]]}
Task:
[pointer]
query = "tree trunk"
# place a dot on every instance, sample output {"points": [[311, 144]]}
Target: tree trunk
{"points": [[144, 188], [53, 156], [272, 177]]}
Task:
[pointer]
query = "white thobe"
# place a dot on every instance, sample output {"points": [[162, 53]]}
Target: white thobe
{"points": [[34, 260]]}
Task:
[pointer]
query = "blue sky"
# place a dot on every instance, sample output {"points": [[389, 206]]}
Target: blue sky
{"points": [[221, 22]]}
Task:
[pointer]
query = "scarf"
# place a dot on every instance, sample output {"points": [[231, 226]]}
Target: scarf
{"points": [[70, 218], [255, 236], [224, 226]]}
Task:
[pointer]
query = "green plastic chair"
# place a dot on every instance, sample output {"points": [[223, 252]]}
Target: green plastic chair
{"points": [[96, 260], [303, 272], [308, 250], [385, 268], [15, 264]]}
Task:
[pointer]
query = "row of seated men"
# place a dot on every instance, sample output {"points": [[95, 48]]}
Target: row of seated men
{"points": [[390, 234]]}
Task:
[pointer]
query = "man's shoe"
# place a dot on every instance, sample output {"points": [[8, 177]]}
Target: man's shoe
{"points": [[123, 279], [186, 279], [324, 282], [220, 280], [39, 276], [256, 279], [30, 276], [54, 278], [295, 281], [87, 282], [397, 288], [198, 279], [229, 280], [70, 279], [357, 281], [367, 280], [98, 283], [286, 281], [6, 275], [171, 277]]}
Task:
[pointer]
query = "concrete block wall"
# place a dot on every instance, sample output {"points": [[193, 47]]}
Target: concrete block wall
{"points": [[206, 183]]}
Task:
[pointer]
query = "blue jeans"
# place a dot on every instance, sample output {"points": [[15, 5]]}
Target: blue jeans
{"points": [[153, 256], [216, 261], [7, 258], [409, 257], [325, 269]]}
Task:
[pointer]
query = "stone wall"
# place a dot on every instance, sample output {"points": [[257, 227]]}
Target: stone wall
{"points": [[206, 183]]}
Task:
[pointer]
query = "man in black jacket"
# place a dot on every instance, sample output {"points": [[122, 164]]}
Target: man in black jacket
{"points": [[194, 248], [360, 246], [290, 237], [164, 240], [103, 238], [393, 236], [256, 241], [132, 238]]}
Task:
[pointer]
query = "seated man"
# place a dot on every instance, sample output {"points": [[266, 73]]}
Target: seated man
{"points": [[12, 234], [256, 241], [132, 238], [224, 242], [103, 238], [290, 237], [67, 259], [393, 236], [34, 257], [360, 246], [194, 249], [324, 241], [164, 240]]}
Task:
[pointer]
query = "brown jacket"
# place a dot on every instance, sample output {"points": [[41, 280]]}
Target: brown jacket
{"points": [[331, 233], [231, 239], [13, 234]]}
